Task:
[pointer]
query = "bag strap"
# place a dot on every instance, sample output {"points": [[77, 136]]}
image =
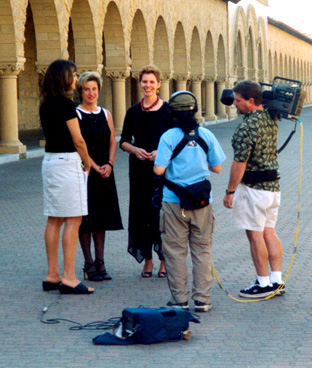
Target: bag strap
{"points": [[187, 138]]}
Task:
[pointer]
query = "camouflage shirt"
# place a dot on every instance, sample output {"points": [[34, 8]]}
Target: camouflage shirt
{"points": [[255, 142]]}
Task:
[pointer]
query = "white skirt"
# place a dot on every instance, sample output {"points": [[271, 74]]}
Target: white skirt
{"points": [[64, 185]]}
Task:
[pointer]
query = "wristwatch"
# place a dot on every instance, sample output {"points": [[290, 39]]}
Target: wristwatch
{"points": [[229, 191]]}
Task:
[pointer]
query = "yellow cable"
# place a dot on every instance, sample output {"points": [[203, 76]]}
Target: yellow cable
{"points": [[295, 242]]}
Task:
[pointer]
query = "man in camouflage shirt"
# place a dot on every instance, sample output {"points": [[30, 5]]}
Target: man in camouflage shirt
{"points": [[254, 177]]}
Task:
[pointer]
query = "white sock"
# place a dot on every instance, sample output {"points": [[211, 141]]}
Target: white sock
{"points": [[263, 280], [276, 276]]}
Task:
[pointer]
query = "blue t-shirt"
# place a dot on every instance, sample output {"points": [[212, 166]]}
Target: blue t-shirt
{"points": [[191, 164]]}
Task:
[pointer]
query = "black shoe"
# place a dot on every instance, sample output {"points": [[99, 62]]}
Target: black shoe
{"points": [[91, 273], [78, 290], [256, 291], [48, 286], [184, 305], [280, 287], [202, 307], [100, 268]]}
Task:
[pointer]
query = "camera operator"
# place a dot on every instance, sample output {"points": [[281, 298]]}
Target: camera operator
{"points": [[254, 179], [180, 227]]}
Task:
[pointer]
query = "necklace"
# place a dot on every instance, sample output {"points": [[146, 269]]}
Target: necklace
{"points": [[151, 106]]}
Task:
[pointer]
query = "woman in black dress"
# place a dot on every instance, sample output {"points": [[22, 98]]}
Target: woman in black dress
{"points": [[97, 128], [144, 124]]}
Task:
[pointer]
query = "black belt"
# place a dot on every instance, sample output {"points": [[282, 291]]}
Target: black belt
{"points": [[254, 177]]}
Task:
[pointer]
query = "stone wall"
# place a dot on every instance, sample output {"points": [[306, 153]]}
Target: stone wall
{"points": [[202, 45]]}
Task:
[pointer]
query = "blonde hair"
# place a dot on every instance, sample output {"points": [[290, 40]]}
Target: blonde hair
{"points": [[88, 77], [150, 69]]}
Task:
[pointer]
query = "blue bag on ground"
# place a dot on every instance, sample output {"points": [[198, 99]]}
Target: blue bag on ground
{"points": [[148, 326]]}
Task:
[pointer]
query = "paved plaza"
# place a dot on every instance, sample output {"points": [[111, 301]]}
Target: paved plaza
{"points": [[274, 333]]}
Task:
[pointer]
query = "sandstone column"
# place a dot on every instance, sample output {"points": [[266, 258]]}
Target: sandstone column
{"points": [[164, 93], [181, 80], [196, 89], [210, 100], [139, 93], [118, 78], [9, 142], [220, 107]]}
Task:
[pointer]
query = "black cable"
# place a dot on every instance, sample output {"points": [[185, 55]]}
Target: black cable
{"points": [[289, 138], [96, 325]]}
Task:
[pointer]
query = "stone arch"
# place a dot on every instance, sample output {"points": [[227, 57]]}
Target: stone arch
{"points": [[250, 55], [281, 71], [221, 59], [291, 75], [251, 41], [262, 39], [180, 55], [51, 41], [84, 35], [196, 69], [260, 65], [196, 55], [114, 41], [275, 65], [239, 57], [239, 51], [210, 67], [114, 57], [161, 47], [8, 40], [139, 42], [286, 71], [270, 67], [28, 79]]}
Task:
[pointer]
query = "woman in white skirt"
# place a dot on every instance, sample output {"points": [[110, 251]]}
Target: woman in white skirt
{"points": [[65, 169]]}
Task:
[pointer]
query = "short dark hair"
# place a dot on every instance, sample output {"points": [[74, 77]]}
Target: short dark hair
{"points": [[249, 89], [58, 79], [184, 120]]}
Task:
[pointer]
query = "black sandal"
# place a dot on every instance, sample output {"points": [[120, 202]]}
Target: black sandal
{"points": [[99, 263], [78, 290], [91, 273]]}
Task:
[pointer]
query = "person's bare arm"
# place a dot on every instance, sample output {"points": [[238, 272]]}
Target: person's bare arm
{"points": [[79, 142], [236, 175]]}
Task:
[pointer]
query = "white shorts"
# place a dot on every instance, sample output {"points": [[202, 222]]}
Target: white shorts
{"points": [[64, 185], [255, 209]]}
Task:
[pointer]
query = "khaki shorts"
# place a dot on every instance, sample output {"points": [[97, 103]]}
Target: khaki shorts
{"points": [[255, 209]]}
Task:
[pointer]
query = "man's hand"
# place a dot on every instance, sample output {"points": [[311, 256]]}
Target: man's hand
{"points": [[228, 200]]}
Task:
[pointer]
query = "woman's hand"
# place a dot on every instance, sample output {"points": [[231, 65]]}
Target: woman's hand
{"points": [[87, 167], [152, 156], [105, 171], [141, 154]]}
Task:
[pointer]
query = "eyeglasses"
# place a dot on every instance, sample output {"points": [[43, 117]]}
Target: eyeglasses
{"points": [[76, 75]]}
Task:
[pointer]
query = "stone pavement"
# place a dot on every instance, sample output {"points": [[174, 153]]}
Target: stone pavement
{"points": [[274, 333]]}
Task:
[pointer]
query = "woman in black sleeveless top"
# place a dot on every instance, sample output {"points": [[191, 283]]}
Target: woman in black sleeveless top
{"points": [[103, 208]]}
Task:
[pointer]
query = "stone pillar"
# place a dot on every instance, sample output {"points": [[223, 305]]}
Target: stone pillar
{"points": [[9, 142], [118, 78], [139, 93], [221, 114], [181, 80], [210, 100], [196, 89], [164, 92], [41, 70]]}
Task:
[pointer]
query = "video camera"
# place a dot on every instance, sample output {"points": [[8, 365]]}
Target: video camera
{"points": [[283, 100]]}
